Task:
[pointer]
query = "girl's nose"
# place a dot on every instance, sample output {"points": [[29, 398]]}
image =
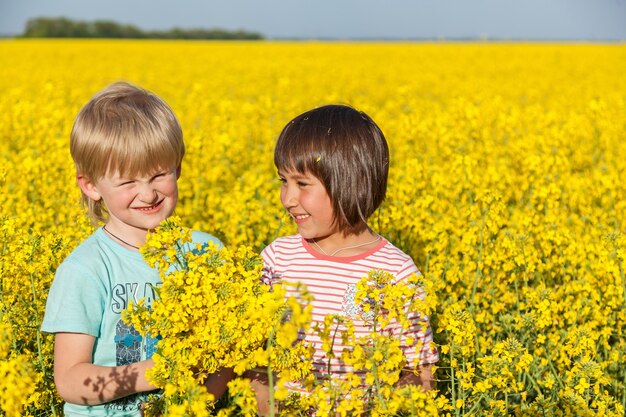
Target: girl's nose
{"points": [[288, 197]]}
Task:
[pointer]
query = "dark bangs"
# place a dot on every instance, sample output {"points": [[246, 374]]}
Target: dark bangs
{"points": [[347, 152]]}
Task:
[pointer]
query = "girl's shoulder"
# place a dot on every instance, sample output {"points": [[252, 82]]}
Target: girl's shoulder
{"points": [[390, 249], [388, 253]]}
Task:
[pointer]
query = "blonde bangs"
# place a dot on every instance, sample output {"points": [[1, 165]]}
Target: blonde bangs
{"points": [[133, 135]]}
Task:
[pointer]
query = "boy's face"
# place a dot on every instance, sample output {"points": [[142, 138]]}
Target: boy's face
{"points": [[135, 204]]}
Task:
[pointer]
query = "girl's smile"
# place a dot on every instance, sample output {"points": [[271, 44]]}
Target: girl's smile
{"points": [[307, 202]]}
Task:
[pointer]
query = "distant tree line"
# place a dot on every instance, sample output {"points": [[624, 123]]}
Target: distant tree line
{"points": [[61, 27]]}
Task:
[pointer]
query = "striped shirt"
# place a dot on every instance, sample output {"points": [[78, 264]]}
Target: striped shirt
{"points": [[332, 280]]}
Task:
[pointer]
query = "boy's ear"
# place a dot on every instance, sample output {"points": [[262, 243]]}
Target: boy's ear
{"points": [[88, 187]]}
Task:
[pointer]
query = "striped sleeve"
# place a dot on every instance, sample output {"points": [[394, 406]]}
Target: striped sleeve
{"points": [[423, 350]]}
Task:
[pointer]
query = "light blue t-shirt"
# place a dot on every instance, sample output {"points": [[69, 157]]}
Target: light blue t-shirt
{"points": [[91, 288]]}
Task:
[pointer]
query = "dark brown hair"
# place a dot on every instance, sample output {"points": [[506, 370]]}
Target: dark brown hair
{"points": [[347, 152]]}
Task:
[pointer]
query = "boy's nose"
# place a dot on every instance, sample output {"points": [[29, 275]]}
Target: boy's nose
{"points": [[147, 194]]}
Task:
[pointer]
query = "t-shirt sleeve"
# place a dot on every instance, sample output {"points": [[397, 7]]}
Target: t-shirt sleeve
{"points": [[423, 350], [202, 239], [75, 302]]}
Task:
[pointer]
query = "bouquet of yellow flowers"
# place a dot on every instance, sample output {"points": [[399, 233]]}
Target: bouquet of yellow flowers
{"points": [[212, 312]]}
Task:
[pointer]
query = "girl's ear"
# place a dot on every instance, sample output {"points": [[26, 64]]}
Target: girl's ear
{"points": [[88, 187]]}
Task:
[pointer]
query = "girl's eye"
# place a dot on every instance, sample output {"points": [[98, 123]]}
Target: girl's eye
{"points": [[281, 179], [302, 184]]}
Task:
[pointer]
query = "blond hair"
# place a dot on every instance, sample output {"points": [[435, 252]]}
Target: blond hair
{"points": [[127, 130]]}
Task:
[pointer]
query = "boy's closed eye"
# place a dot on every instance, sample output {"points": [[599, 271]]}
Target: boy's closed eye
{"points": [[155, 177], [159, 176]]}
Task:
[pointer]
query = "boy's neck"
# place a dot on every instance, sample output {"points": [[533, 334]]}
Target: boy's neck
{"points": [[128, 240]]}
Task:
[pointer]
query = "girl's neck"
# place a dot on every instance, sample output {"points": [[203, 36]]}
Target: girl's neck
{"points": [[346, 245]]}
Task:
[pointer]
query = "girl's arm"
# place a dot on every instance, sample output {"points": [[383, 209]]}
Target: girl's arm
{"points": [[424, 379], [79, 381], [216, 383], [260, 385]]}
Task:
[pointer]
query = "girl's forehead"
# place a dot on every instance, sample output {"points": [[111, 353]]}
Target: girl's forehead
{"points": [[292, 173]]}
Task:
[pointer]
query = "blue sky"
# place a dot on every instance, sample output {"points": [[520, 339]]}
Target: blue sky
{"points": [[405, 19]]}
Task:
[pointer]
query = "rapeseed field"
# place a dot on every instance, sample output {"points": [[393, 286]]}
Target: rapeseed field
{"points": [[506, 187]]}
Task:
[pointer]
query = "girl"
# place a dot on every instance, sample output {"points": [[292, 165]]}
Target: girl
{"points": [[333, 163]]}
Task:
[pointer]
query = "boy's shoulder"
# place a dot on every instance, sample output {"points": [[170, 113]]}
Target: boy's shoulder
{"points": [[198, 236], [98, 240], [200, 241], [94, 245], [97, 255]]}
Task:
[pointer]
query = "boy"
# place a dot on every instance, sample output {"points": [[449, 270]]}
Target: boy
{"points": [[127, 146]]}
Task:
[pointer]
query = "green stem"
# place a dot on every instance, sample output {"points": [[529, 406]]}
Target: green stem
{"points": [[532, 380], [331, 349], [623, 372], [4, 311], [463, 396], [270, 373], [378, 392], [506, 401], [452, 379], [555, 372], [270, 379], [476, 404], [623, 278], [479, 258]]}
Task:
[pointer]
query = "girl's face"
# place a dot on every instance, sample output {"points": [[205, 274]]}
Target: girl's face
{"points": [[308, 203]]}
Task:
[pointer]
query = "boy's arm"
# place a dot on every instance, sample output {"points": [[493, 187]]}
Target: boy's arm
{"points": [[424, 379], [79, 381]]}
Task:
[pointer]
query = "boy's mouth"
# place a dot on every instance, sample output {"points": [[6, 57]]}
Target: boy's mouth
{"points": [[150, 209]]}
